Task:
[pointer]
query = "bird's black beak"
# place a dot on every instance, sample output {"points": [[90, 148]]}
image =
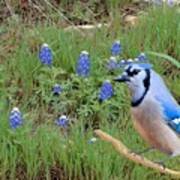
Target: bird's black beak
{"points": [[121, 78]]}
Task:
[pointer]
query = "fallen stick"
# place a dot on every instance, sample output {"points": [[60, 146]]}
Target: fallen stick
{"points": [[122, 149], [86, 27]]}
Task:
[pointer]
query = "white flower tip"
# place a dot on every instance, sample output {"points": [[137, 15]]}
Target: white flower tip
{"points": [[136, 59], [122, 61], [112, 58], [84, 52], [56, 85], [107, 81], [15, 109], [63, 117], [129, 60], [118, 42], [45, 45], [142, 54], [92, 140]]}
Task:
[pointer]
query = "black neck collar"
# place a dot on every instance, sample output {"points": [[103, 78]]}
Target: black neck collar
{"points": [[146, 85]]}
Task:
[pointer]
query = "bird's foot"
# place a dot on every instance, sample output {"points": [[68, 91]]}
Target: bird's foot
{"points": [[161, 163], [144, 151]]}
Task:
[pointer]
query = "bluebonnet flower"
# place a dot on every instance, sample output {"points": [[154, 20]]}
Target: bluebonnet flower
{"points": [[106, 91], [112, 63], [15, 118], [57, 89], [83, 64], [171, 3], [45, 55], [142, 57], [62, 121], [116, 48]]}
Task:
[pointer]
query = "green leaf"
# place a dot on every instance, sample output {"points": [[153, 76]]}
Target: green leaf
{"points": [[166, 57]]}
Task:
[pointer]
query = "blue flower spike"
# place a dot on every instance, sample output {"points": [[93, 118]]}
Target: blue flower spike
{"points": [[106, 91], [112, 64], [62, 121], [116, 48], [142, 57], [83, 64], [45, 55], [15, 118], [170, 3], [56, 89]]}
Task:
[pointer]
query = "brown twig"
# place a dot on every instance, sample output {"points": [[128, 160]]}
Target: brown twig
{"points": [[122, 149]]}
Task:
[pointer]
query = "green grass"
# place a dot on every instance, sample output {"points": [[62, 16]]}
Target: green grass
{"points": [[39, 145]]}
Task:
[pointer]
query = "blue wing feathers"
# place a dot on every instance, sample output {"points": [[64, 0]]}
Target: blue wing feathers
{"points": [[171, 109], [171, 115]]}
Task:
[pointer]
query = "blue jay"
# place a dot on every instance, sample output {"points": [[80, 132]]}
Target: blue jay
{"points": [[155, 113]]}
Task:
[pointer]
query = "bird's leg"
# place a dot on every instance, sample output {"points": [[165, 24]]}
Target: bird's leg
{"points": [[162, 161], [145, 151]]}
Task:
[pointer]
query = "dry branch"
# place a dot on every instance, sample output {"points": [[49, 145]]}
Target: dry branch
{"points": [[122, 149]]}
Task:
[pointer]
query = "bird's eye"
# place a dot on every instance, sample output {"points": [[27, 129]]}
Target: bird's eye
{"points": [[136, 71]]}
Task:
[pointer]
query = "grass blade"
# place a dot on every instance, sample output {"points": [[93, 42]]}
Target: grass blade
{"points": [[166, 57]]}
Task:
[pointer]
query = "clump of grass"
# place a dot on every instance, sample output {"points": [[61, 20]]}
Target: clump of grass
{"points": [[38, 146]]}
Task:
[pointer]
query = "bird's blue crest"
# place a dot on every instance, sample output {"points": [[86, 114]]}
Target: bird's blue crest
{"points": [[146, 65], [141, 61]]}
